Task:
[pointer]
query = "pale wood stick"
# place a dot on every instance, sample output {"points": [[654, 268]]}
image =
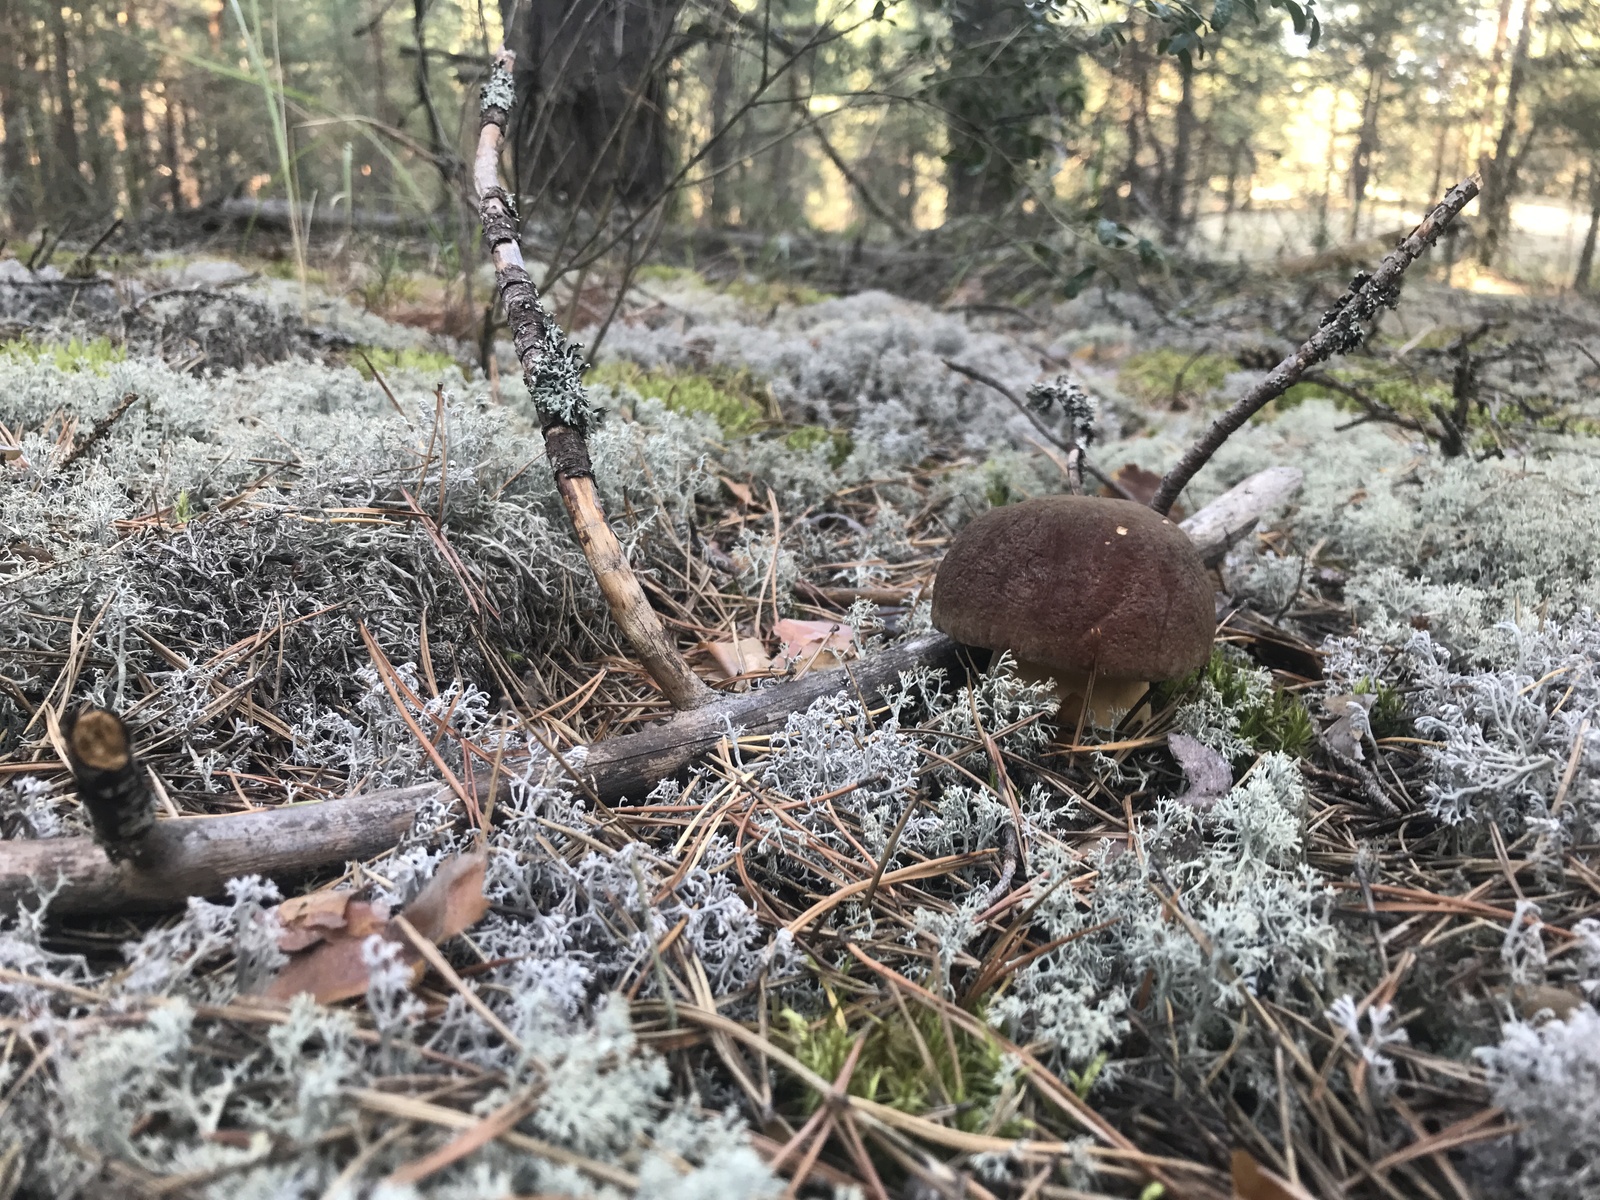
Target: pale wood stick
{"points": [[552, 370]]}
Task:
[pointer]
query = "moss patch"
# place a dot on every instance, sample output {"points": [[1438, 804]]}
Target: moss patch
{"points": [[1173, 376], [810, 437], [912, 1066], [771, 293], [410, 359], [95, 355], [735, 399]]}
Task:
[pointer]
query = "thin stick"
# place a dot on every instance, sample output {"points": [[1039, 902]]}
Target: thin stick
{"points": [[1021, 405], [1340, 331], [552, 369]]}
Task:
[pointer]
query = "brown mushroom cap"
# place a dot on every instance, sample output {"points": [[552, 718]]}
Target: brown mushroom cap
{"points": [[1079, 584]]}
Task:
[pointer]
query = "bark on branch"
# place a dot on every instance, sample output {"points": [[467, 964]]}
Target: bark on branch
{"points": [[196, 856], [1341, 330], [552, 369]]}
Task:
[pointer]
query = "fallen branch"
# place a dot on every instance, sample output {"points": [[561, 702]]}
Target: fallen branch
{"points": [[552, 369], [196, 856], [1341, 330]]}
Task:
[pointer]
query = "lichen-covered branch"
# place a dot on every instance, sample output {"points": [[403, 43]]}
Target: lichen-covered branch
{"points": [[552, 368], [1341, 330]]}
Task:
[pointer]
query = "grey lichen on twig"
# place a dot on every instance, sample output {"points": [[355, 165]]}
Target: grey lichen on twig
{"points": [[552, 368], [1341, 330]]}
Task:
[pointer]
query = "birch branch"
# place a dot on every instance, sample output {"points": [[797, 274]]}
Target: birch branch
{"points": [[552, 368]]}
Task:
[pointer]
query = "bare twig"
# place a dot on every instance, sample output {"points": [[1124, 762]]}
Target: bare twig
{"points": [[101, 428], [1340, 331], [1021, 405], [551, 368]]}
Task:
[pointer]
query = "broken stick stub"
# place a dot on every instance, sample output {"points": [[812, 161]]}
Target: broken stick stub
{"points": [[1103, 596], [110, 782]]}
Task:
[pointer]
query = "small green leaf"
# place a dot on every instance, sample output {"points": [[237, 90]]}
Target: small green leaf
{"points": [[1075, 285], [1108, 231]]}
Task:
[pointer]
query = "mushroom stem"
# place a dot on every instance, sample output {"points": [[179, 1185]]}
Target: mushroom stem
{"points": [[1106, 697]]}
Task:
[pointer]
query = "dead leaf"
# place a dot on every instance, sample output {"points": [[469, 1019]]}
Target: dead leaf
{"points": [[325, 931], [741, 491], [1535, 998], [1207, 775], [742, 656], [1351, 726], [307, 920], [1252, 1181], [453, 900], [814, 645], [1141, 484]]}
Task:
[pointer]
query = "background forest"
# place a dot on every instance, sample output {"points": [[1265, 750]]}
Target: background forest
{"points": [[1070, 132]]}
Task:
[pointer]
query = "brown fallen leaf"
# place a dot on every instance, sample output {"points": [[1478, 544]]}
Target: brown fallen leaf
{"points": [[813, 645], [453, 900], [741, 491], [1252, 1181], [742, 656], [1141, 484], [327, 929], [307, 920]]}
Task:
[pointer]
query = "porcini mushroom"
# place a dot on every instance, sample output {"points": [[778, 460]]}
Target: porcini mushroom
{"points": [[1103, 596]]}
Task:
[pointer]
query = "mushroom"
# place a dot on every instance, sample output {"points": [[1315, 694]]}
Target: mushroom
{"points": [[1103, 596]]}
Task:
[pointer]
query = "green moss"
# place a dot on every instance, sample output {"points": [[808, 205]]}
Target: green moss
{"points": [[1388, 716], [908, 1066], [285, 268], [770, 293], [1406, 394], [95, 355], [1268, 717], [809, 437], [735, 399], [1165, 376], [410, 359]]}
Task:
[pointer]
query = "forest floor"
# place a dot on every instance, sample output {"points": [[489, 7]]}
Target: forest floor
{"points": [[1339, 938]]}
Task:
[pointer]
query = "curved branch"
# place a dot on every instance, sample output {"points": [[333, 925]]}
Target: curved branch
{"points": [[1340, 331]]}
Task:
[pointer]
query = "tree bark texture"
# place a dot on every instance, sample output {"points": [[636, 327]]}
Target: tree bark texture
{"points": [[591, 81], [1581, 277], [1500, 172]]}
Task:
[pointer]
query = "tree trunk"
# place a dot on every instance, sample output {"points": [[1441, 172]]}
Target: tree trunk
{"points": [[16, 168], [1499, 173], [1366, 146], [68, 183], [1581, 278], [986, 145], [720, 156], [135, 125], [173, 147], [1178, 180], [591, 79]]}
